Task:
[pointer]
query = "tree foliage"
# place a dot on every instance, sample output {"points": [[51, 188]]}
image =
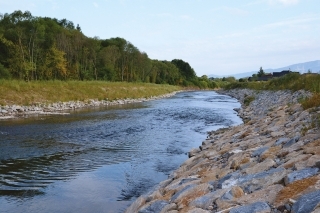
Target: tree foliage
{"points": [[43, 48], [261, 72]]}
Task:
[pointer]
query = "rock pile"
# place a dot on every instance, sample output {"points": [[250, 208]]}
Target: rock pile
{"points": [[268, 164], [62, 108]]}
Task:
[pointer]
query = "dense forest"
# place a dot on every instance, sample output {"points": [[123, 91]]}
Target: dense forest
{"points": [[43, 48]]}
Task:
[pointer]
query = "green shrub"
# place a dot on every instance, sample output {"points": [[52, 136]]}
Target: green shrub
{"points": [[4, 73], [248, 100], [313, 101]]}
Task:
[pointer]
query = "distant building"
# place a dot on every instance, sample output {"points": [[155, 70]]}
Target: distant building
{"points": [[282, 73], [269, 76], [266, 77]]}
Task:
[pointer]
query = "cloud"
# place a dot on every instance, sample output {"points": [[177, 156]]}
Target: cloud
{"points": [[274, 2], [284, 2], [95, 4], [164, 15], [186, 17], [232, 11]]}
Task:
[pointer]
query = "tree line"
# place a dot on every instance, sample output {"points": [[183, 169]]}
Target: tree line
{"points": [[43, 48]]}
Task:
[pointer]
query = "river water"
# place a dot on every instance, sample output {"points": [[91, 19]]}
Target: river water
{"points": [[101, 160]]}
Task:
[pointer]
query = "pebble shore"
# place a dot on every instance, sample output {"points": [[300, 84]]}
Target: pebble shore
{"points": [[270, 163], [63, 108]]}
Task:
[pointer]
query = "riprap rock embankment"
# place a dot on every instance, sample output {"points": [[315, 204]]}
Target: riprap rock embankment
{"points": [[268, 164], [62, 108]]}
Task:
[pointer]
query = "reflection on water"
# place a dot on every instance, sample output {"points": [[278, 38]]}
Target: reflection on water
{"points": [[101, 160]]}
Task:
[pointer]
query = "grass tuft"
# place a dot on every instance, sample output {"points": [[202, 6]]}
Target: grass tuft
{"points": [[313, 101], [295, 189], [248, 100]]}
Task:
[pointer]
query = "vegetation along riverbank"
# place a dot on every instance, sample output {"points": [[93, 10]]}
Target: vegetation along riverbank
{"points": [[20, 98], [268, 164]]}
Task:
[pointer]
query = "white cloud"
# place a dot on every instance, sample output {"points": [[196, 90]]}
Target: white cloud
{"points": [[284, 2], [186, 17], [232, 11], [95, 4], [274, 2]]}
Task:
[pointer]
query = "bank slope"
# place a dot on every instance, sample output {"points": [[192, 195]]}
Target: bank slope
{"points": [[268, 164]]}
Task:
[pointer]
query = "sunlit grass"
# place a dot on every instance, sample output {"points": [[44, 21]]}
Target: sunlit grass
{"points": [[27, 93], [311, 102], [293, 81]]}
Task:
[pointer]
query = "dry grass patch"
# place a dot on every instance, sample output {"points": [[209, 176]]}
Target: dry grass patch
{"points": [[294, 189], [223, 151], [167, 196], [191, 197], [271, 153], [311, 102], [312, 148], [245, 134], [245, 160], [202, 172]]}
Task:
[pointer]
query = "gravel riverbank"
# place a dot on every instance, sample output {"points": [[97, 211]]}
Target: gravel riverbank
{"points": [[268, 164], [63, 108]]}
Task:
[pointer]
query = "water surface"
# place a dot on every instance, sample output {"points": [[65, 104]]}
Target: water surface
{"points": [[100, 160]]}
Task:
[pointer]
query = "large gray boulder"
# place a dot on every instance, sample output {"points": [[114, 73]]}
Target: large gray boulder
{"points": [[306, 203], [281, 141], [155, 207], [291, 141], [253, 182], [205, 201], [259, 151], [300, 174], [258, 207]]}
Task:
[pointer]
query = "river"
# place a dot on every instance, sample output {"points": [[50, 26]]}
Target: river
{"points": [[100, 160]]}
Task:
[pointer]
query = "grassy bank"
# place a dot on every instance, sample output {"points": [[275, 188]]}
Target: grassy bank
{"points": [[27, 93], [293, 81]]}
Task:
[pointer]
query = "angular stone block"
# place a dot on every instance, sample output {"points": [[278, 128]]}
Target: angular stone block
{"points": [[300, 174], [306, 203], [258, 207]]}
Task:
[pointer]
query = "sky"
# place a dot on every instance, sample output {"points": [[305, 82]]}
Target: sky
{"points": [[220, 37]]}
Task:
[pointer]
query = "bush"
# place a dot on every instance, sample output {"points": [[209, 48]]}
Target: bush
{"points": [[4, 73], [313, 101], [248, 100]]}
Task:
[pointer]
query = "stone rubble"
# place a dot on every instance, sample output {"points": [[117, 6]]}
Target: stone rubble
{"points": [[270, 163], [63, 108]]}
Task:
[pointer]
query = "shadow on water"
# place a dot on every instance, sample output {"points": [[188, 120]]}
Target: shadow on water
{"points": [[106, 156]]}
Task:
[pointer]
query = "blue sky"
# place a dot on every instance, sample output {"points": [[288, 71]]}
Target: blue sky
{"points": [[214, 37]]}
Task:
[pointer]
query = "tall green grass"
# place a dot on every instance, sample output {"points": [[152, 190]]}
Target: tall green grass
{"points": [[27, 93], [292, 81]]}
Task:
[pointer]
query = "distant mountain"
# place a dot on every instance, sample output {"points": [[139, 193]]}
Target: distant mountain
{"points": [[313, 66]]}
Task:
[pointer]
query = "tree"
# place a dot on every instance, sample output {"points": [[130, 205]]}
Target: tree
{"points": [[185, 69], [43, 48], [4, 73], [261, 72]]}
